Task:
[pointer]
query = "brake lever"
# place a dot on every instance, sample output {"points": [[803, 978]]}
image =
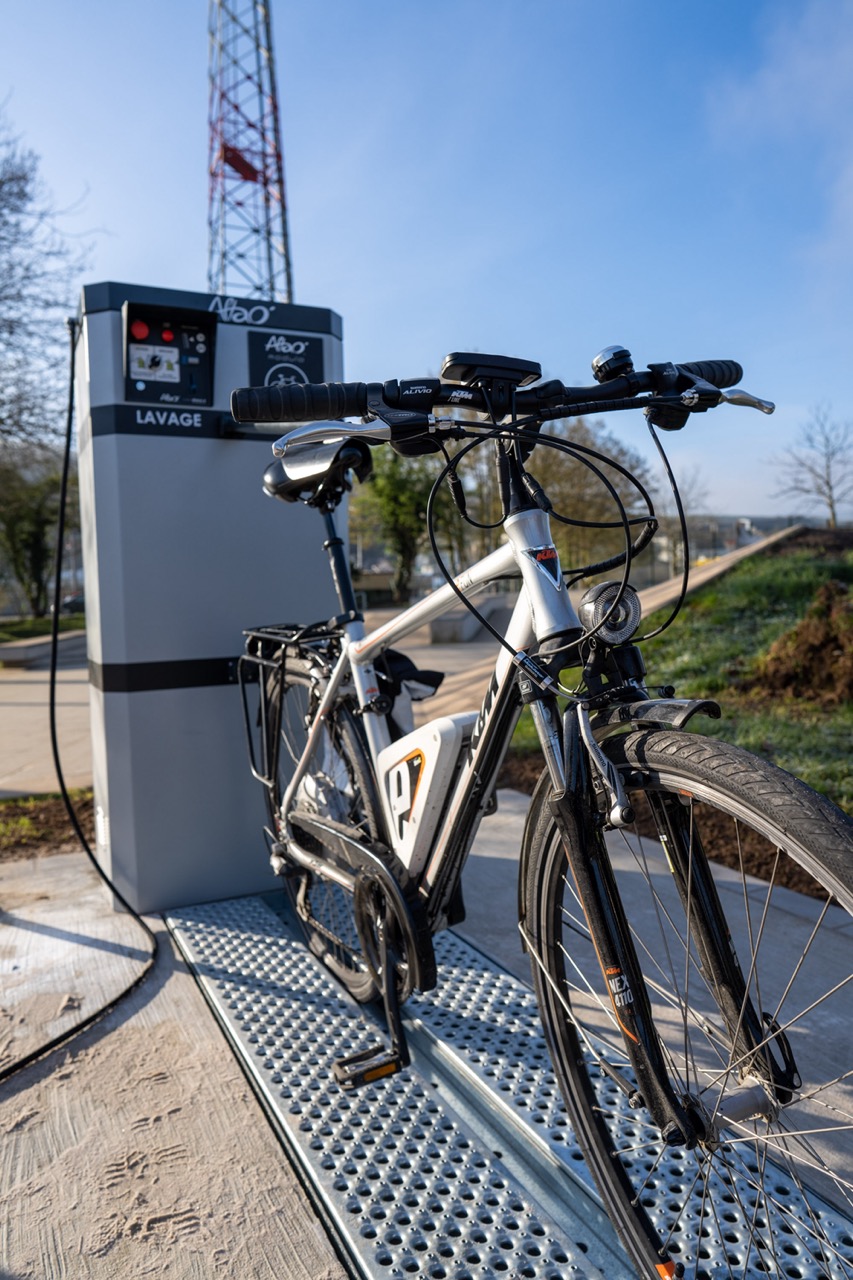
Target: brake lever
{"points": [[738, 396], [704, 395], [327, 432]]}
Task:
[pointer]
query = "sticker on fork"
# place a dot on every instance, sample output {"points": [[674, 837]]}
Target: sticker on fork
{"points": [[620, 989]]}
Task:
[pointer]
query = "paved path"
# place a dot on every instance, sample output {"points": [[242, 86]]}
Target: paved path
{"points": [[26, 766], [26, 761]]}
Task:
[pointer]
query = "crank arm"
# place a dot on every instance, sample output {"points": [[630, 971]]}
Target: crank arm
{"points": [[375, 1063]]}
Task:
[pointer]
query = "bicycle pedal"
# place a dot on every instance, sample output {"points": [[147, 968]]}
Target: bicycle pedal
{"points": [[368, 1065]]}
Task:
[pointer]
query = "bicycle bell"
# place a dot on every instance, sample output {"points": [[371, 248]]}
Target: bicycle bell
{"points": [[612, 362], [596, 603]]}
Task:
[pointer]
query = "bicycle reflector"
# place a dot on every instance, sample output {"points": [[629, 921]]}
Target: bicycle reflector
{"points": [[622, 623]]}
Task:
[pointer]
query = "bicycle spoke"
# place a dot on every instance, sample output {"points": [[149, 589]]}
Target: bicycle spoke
{"points": [[797, 1018], [750, 1202], [801, 960], [817, 1235]]}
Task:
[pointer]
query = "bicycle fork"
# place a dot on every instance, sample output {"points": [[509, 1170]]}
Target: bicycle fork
{"points": [[575, 812], [579, 774], [574, 807]]}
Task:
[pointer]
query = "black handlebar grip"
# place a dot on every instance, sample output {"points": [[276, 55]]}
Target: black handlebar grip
{"points": [[301, 402], [720, 373]]}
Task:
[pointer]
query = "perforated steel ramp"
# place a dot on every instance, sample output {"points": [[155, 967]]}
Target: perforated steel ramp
{"points": [[461, 1167]]}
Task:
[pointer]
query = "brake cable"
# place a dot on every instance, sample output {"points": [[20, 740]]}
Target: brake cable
{"points": [[561, 446], [685, 542]]}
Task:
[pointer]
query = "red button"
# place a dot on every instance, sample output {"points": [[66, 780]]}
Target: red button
{"points": [[167, 335], [139, 330]]}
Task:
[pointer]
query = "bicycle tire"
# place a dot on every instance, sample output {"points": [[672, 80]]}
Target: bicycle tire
{"points": [[337, 786], [774, 1195]]}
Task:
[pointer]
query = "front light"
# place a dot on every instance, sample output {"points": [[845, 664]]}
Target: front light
{"points": [[624, 620]]}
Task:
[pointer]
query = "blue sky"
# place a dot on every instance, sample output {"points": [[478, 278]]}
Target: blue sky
{"points": [[539, 178]]}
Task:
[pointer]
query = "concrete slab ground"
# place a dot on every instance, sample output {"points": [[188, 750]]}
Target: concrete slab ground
{"points": [[138, 1149]]}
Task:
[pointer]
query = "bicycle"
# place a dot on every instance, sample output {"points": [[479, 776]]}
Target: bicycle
{"points": [[674, 1016]]}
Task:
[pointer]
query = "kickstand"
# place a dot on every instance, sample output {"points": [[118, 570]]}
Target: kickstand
{"points": [[374, 1063]]}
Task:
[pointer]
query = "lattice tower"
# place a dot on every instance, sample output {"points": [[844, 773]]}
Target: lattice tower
{"points": [[248, 249]]}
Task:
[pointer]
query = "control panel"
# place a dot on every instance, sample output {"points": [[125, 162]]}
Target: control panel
{"points": [[168, 354]]}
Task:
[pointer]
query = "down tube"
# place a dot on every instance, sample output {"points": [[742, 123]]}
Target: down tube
{"points": [[475, 785]]}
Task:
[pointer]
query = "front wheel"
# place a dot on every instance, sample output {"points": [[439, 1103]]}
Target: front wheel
{"points": [[768, 1190]]}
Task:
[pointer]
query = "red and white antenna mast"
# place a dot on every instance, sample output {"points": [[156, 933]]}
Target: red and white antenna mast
{"points": [[248, 249]]}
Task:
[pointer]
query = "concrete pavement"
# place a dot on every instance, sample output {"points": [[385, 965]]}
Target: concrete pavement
{"points": [[26, 762]]}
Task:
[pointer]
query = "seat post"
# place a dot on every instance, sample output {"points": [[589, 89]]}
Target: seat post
{"points": [[339, 563]]}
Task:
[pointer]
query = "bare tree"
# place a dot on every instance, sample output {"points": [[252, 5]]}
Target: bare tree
{"points": [[30, 479], [37, 271], [818, 467]]}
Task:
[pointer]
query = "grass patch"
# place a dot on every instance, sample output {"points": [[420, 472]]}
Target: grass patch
{"points": [[716, 648], [718, 643], [726, 627], [32, 628], [805, 739], [33, 825]]}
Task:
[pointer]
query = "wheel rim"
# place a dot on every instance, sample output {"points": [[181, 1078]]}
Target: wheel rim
{"points": [[771, 1194]]}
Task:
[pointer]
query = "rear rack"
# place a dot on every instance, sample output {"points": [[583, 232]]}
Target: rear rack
{"points": [[267, 650]]}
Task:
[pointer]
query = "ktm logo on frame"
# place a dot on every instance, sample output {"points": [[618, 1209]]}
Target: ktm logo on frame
{"points": [[547, 560], [404, 779]]}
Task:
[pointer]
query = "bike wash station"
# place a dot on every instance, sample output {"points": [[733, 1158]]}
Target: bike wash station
{"points": [[464, 1164]]}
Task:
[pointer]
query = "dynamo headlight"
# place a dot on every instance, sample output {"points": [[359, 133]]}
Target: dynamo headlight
{"points": [[622, 623]]}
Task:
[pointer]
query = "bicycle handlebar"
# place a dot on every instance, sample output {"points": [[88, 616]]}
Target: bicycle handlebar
{"points": [[404, 406], [720, 373], [309, 402]]}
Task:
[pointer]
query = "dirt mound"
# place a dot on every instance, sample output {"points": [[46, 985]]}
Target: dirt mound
{"points": [[814, 660]]}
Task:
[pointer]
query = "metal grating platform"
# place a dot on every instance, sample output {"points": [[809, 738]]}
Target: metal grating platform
{"points": [[487, 1027], [462, 1166], [413, 1183]]}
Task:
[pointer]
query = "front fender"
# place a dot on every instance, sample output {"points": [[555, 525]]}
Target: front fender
{"points": [[669, 713]]}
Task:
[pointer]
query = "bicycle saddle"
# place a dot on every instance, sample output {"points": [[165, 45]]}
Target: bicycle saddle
{"points": [[317, 474]]}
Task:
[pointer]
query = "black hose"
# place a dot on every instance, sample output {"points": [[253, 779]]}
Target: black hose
{"points": [[99, 1013]]}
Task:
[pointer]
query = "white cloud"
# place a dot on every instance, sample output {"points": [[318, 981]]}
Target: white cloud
{"points": [[803, 83], [794, 112]]}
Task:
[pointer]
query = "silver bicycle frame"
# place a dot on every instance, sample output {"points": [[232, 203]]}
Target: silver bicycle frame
{"points": [[543, 610]]}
